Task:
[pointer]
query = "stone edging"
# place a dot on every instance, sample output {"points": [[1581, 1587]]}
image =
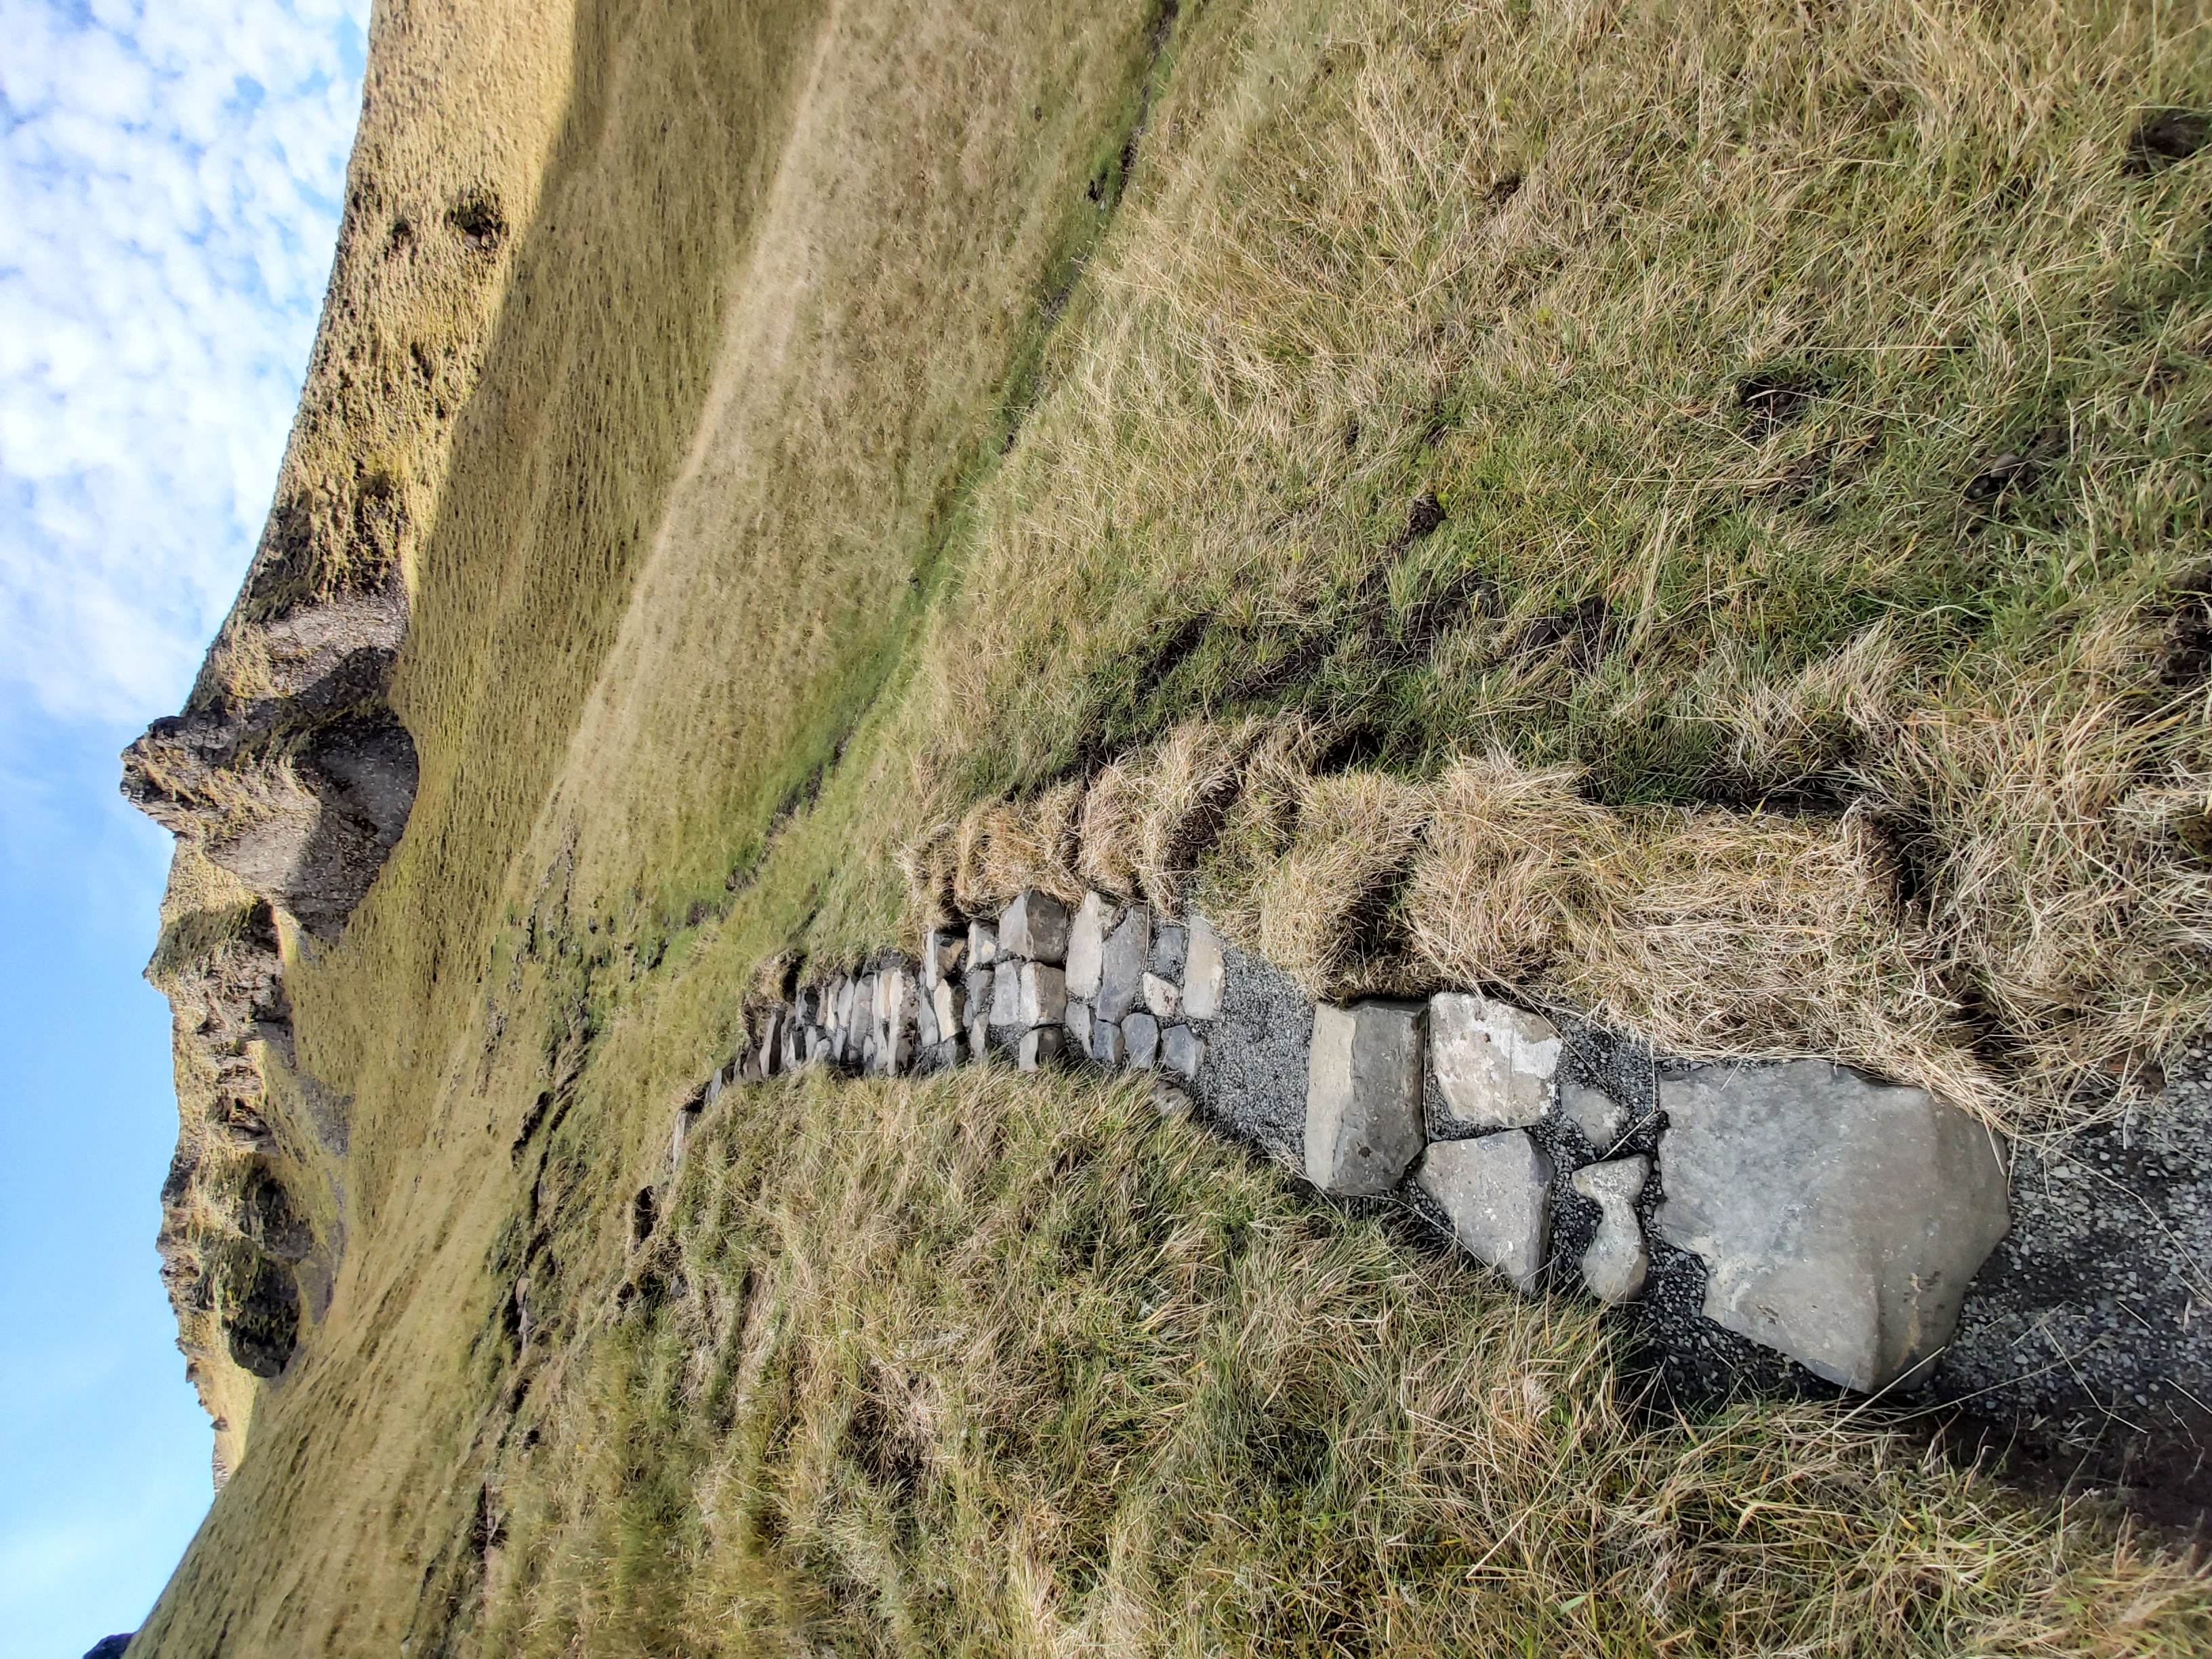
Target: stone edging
{"points": [[1839, 1220]]}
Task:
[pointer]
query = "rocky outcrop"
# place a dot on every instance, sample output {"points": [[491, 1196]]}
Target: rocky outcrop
{"points": [[301, 791]]}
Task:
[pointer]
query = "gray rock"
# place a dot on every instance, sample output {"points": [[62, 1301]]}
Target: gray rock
{"points": [[1182, 1050], [769, 1054], [1078, 1026], [1140, 1038], [925, 1022], [1169, 1101], [1121, 967], [948, 1002], [1616, 1263], [979, 1037], [1498, 1191], [1840, 1220], [1170, 949], [1006, 995], [980, 984], [942, 954], [1364, 1086], [1087, 944], [1162, 996], [983, 944], [1108, 1046], [1203, 972], [1035, 926], [1040, 1046], [1044, 995], [1600, 1117], [1494, 1063]]}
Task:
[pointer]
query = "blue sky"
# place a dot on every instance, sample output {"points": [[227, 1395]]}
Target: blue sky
{"points": [[170, 181]]}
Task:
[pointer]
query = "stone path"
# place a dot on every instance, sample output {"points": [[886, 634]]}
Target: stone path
{"points": [[1760, 1227]]}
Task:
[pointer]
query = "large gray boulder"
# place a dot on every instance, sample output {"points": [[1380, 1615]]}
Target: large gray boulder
{"points": [[1364, 1076], [1840, 1220], [1498, 1191]]}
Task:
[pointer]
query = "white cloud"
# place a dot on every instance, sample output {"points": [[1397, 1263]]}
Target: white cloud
{"points": [[170, 182]]}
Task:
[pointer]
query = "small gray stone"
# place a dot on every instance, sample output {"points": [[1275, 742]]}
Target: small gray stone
{"points": [[1140, 1033], [947, 1054], [1616, 1263], [1170, 949], [1600, 1117], [983, 944], [1044, 995], [1035, 926], [925, 1022], [1087, 944], [1494, 1063], [1169, 1101], [948, 1002], [941, 955], [1498, 1191], [1040, 1046], [1162, 996], [1364, 1084], [769, 1055], [979, 983], [1107, 1043], [1840, 1220], [1078, 1026], [1203, 973], [1006, 995], [1121, 969], [1182, 1050], [979, 1037]]}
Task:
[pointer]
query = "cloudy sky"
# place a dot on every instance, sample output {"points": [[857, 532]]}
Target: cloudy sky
{"points": [[170, 180]]}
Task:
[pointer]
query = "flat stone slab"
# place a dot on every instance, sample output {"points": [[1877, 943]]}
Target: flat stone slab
{"points": [[1364, 1076], [1498, 1191], [1162, 997], [1086, 943], [1127, 953], [1182, 1050], [1495, 1063], [1205, 975], [1006, 1003], [1170, 949], [1043, 994], [1840, 1220], [1140, 1037], [1035, 926]]}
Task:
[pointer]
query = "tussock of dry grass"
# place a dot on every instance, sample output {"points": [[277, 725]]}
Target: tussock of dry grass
{"points": [[999, 1365]]}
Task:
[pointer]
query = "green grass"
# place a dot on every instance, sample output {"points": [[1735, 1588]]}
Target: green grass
{"points": [[1001, 1365]]}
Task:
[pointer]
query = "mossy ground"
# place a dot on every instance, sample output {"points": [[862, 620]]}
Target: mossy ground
{"points": [[890, 409]]}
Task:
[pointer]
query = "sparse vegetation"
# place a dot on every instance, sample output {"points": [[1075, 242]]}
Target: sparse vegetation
{"points": [[1545, 494]]}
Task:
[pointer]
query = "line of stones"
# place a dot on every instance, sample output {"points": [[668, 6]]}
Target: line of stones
{"points": [[1108, 983], [1115, 984]]}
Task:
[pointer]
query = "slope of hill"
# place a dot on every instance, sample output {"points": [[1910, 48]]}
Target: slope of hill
{"points": [[768, 473]]}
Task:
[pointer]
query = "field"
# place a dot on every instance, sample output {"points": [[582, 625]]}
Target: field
{"points": [[1746, 460]]}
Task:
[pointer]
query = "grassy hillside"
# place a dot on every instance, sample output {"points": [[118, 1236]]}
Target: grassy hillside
{"points": [[1793, 422]]}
